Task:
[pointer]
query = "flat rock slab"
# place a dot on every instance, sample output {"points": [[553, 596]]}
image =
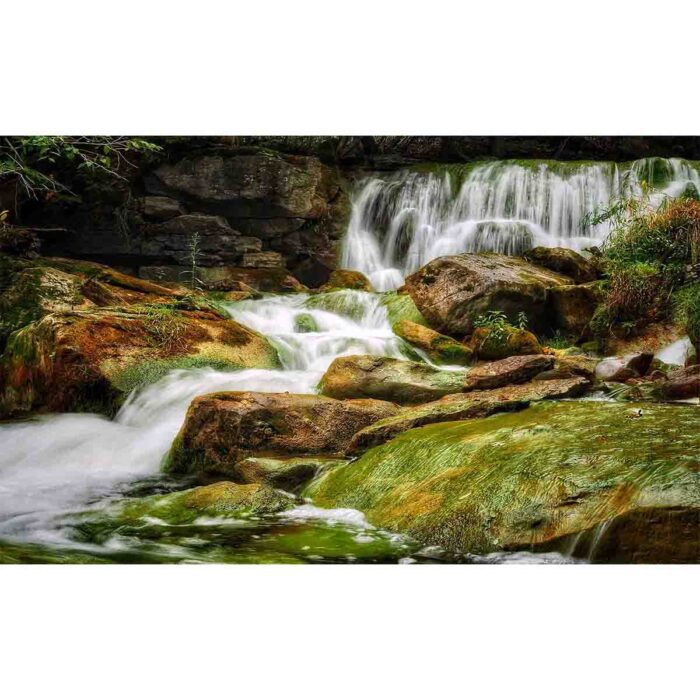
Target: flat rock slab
{"points": [[475, 404], [400, 381]]}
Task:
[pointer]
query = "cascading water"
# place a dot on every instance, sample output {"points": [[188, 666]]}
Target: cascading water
{"points": [[401, 222], [54, 466]]}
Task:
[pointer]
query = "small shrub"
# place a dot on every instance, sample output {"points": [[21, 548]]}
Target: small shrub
{"points": [[165, 327]]}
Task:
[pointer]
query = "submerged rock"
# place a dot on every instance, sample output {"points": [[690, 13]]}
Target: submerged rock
{"points": [[452, 291], [564, 261], [222, 428], [400, 381], [222, 499], [347, 279], [438, 347], [574, 476], [90, 360], [475, 404]]}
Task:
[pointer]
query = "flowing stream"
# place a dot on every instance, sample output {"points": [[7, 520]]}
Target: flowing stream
{"points": [[54, 468], [402, 221]]}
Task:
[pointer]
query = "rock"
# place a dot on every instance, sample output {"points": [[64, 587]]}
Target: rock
{"points": [[289, 474], [91, 360], [222, 428], [222, 499], [296, 204], [389, 379], [475, 404], [512, 370], [490, 344], [681, 384], [571, 366], [305, 323], [452, 291], [439, 348], [160, 208], [217, 243], [227, 278], [33, 289], [620, 369], [268, 259], [552, 477], [347, 279], [400, 307], [250, 186], [564, 261], [573, 306]]}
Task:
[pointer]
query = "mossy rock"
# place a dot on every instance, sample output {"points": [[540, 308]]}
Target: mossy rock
{"points": [[600, 479], [305, 323], [91, 360], [400, 307], [347, 279], [350, 303], [497, 344], [438, 347]]}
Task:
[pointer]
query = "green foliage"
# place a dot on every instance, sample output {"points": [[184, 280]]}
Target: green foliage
{"points": [[687, 308], [498, 325], [646, 258], [36, 161], [165, 327]]}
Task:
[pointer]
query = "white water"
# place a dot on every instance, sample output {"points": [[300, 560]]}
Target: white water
{"points": [[401, 222], [55, 464]]}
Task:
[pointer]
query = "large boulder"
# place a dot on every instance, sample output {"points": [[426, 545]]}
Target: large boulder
{"points": [[452, 291], [475, 404], [400, 381], [564, 261], [512, 370], [31, 289], [438, 347], [550, 477], [90, 360], [573, 306], [222, 428]]}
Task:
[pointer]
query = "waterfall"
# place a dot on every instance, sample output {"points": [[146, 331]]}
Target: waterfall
{"points": [[402, 221]]}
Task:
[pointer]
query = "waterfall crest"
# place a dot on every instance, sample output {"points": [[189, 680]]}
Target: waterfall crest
{"points": [[402, 221]]}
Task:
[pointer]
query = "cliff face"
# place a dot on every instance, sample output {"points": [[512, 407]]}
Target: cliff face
{"points": [[250, 204]]}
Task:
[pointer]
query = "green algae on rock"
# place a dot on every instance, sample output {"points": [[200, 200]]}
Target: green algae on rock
{"points": [[388, 379], [438, 347], [474, 404], [289, 474], [535, 480], [90, 360]]}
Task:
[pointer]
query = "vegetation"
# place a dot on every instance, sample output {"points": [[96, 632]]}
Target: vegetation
{"points": [[43, 166], [651, 255]]}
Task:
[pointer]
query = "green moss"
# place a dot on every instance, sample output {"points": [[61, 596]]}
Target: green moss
{"points": [[687, 305], [305, 323], [514, 480], [400, 307], [350, 303], [150, 371]]}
